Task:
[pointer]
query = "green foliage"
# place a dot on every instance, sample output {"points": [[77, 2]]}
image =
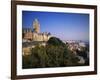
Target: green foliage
{"points": [[55, 54], [55, 41], [83, 53]]}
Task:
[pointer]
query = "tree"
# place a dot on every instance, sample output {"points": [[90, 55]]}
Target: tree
{"points": [[55, 41], [54, 54]]}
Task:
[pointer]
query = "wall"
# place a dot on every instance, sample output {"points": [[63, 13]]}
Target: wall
{"points": [[5, 40]]}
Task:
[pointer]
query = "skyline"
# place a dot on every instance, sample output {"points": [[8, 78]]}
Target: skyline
{"points": [[66, 26]]}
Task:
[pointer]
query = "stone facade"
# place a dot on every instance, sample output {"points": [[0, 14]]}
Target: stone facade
{"points": [[36, 26], [34, 34]]}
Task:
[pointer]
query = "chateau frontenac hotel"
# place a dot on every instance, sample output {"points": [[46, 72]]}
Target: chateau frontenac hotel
{"points": [[34, 34]]}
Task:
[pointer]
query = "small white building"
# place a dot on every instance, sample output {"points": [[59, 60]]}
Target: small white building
{"points": [[82, 44]]}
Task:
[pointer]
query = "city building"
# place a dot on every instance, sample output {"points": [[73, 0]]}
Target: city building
{"points": [[34, 34], [32, 37]]}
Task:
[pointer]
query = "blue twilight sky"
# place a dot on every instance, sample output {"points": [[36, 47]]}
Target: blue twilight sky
{"points": [[66, 26]]}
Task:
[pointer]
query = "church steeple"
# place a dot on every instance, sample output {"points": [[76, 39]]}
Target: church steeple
{"points": [[36, 26]]}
